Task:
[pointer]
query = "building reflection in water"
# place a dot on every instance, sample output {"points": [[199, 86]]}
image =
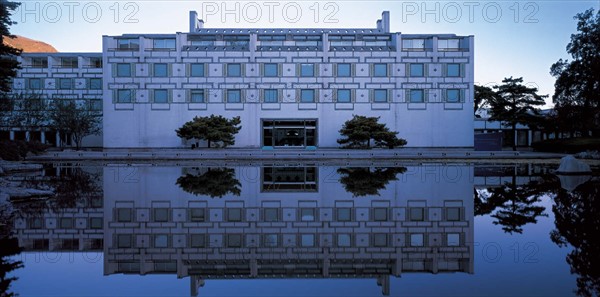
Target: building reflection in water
{"points": [[270, 222]]}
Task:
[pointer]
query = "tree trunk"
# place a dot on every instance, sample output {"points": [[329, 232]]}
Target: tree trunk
{"points": [[208, 143], [514, 136]]}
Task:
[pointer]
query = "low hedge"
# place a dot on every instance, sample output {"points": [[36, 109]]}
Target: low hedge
{"points": [[18, 150], [568, 145]]}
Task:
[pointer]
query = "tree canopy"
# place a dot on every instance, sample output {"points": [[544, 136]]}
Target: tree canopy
{"points": [[365, 181], [578, 81], [483, 95], [8, 62], [68, 117], [360, 130], [215, 182], [213, 129]]}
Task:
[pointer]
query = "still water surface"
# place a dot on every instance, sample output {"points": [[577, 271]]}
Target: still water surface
{"points": [[274, 230]]}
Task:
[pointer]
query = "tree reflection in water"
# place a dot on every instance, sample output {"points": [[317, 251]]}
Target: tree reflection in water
{"points": [[9, 248], [364, 181], [215, 182]]}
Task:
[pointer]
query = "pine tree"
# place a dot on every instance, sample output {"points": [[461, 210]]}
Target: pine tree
{"points": [[8, 62]]}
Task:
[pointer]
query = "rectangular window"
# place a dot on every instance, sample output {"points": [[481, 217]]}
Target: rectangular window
{"points": [[66, 223], [96, 223], [124, 240], [307, 96], [307, 70], [380, 70], [270, 70], [234, 96], [35, 83], [161, 241], [344, 95], [453, 239], [69, 62], [417, 239], [271, 96], [39, 62], [95, 84], [160, 70], [36, 223], [380, 214], [417, 214], [234, 240], [453, 95], [197, 215], [123, 70], [344, 214], [380, 96], [344, 70], [124, 214], [416, 70], [271, 214], [343, 240], [271, 240], [160, 214], [197, 240], [453, 70], [65, 83], [448, 44], [197, 96], [197, 70], [128, 44], [413, 44], [95, 62], [417, 96], [234, 70], [307, 240], [453, 214], [380, 240], [161, 96], [234, 214], [307, 214], [165, 43], [124, 96]]}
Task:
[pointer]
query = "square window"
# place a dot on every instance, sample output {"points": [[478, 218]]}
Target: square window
{"points": [[66, 223], [65, 83], [453, 239], [234, 214], [270, 70], [307, 240], [36, 223], [271, 96], [344, 70], [124, 214], [271, 214], [161, 96], [197, 96], [197, 70], [96, 223], [380, 214], [234, 96], [417, 239], [161, 241], [416, 70], [234, 70], [343, 240], [271, 240], [344, 96], [307, 214], [453, 95], [380, 96], [197, 240], [453, 70], [160, 70], [307, 70], [344, 214], [197, 215], [417, 96], [417, 214], [160, 214], [123, 70], [380, 70], [35, 83], [307, 96], [234, 240], [95, 83], [380, 240], [124, 96], [124, 240], [453, 214]]}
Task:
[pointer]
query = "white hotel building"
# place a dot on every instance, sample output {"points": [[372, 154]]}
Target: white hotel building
{"points": [[291, 87]]}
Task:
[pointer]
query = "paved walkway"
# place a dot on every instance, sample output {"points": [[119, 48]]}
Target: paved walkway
{"points": [[231, 154]]}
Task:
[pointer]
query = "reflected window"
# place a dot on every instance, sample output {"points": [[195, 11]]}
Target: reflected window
{"points": [[124, 240], [36, 223], [40, 244], [380, 214], [197, 240], [307, 214], [197, 215], [66, 223], [234, 240], [417, 239], [453, 239], [161, 241], [307, 240], [271, 214], [271, 240], [96, 223], [453, 214], [344, 214], [234, 214], [160, 214], [343, 240], [380, 240], [124, 214], [35, 83], [65, 83], [417, 214]]}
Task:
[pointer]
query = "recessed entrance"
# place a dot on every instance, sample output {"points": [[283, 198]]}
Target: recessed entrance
{"points": [[289, 133]]}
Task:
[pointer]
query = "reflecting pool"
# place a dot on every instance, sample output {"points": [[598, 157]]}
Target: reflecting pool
{"points": [[347, 229]]}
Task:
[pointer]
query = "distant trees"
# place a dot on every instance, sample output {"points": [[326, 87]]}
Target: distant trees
{"points": [[8, 62], [72, 119], [213, 129], [360, 130], [515, 103], [578, 81]]}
